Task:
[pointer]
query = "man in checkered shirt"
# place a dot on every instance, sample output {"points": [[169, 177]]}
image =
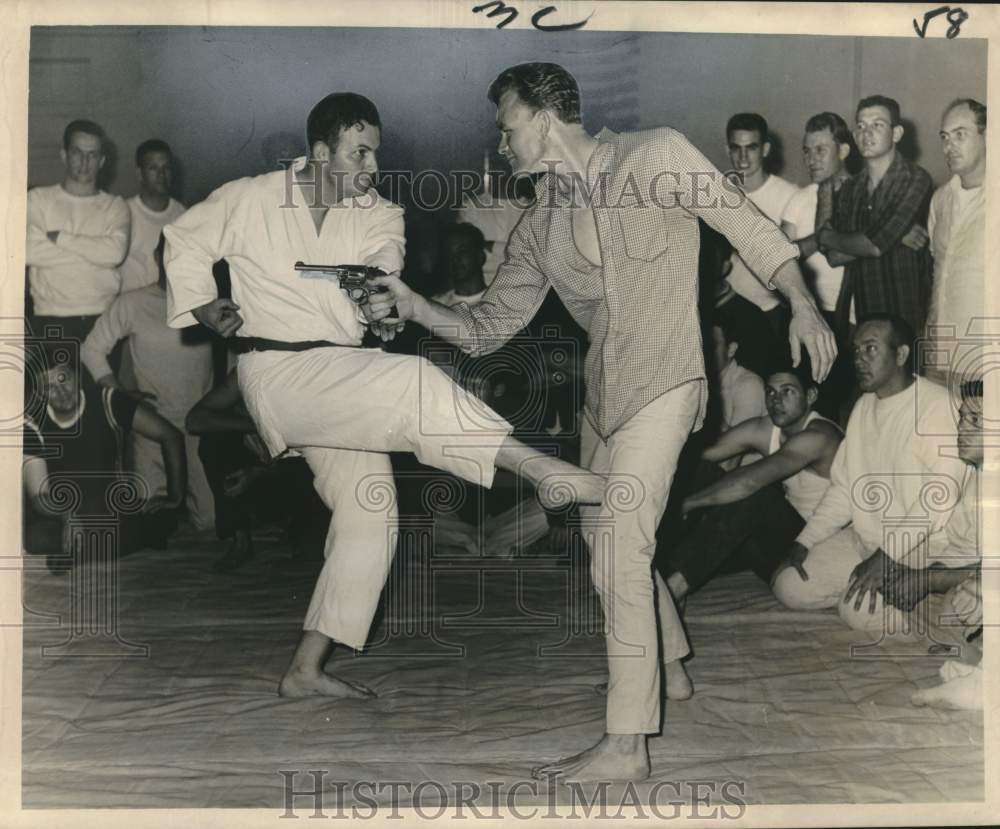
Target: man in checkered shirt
{"points": [[614, 231]]}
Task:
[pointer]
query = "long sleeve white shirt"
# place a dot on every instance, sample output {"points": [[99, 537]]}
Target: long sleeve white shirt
{"points": [[892, 478], [77, 274], [956, 224], [262, 226], [167, 363]]}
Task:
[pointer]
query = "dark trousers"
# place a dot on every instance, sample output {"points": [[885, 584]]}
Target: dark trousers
{"points": [[282, 494], [754, 533], [42, 534]]}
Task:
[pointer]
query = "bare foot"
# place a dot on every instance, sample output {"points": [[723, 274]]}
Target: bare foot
{"points": [[558, 490], [615, 757], [296, 684], [677, 684], [962, 690]]}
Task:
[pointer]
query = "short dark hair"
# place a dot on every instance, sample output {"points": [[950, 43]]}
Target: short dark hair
{"points": [[900, 333], [335, 113], [750, 122], [541, 86], [802, 372], [891, 104], [978, 110], [151, 145], [834, 123], [85, 126]]}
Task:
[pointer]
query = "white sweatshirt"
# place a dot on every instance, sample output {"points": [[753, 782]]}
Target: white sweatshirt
{"points": [[892, 478], [77, 274]]}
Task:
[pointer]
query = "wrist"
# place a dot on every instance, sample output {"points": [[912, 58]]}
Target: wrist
{"points": [[421, 310]]}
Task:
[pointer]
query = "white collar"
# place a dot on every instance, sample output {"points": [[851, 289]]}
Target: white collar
{"points": [[72, 421]]}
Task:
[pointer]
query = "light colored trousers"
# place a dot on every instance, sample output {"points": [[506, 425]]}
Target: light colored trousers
{"points": [[344, 409], [148, 461], [640, 460], [829, 565]]}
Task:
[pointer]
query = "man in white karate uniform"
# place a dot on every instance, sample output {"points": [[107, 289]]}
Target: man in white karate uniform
{"points": [[309, 385]]}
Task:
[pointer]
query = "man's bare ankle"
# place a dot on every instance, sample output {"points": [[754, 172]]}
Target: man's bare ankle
{"points": [[626, 742]]}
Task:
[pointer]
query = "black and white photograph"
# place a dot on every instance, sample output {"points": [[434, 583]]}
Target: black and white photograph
{"points": [[498, 411]]}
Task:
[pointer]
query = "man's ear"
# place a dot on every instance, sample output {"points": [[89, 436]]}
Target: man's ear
{"points": [[103, 159], [62, 155], [731, 349], [812, 395], [766, 149], [897, 133], [543, 123], [320, 151], [843, 150], [902, 355]]}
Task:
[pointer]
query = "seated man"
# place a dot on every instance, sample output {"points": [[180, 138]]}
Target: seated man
{"points": [[247, 484], [751, 512], [78, 442], [173, 369], [741, 391], [956, 621], [873, 516]]}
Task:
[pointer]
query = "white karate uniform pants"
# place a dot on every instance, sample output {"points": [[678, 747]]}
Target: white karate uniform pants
{"points": [[344, 408]]}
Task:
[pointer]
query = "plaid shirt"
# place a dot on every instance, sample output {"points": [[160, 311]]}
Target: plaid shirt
{"points": [[641, 310], [898, 281]]}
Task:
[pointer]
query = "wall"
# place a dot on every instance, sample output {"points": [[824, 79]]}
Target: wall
{"points": [[218, 94], [697, 82]]}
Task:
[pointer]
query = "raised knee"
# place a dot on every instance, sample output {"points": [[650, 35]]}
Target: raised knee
{"points": [[791, 590]]}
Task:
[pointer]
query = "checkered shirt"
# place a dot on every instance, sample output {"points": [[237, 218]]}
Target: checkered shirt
{"points": [[647, 190], [898, 281]]}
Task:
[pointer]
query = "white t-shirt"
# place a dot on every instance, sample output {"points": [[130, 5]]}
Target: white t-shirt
{"points": [[771, 198], [822, 279], [139, 268]]}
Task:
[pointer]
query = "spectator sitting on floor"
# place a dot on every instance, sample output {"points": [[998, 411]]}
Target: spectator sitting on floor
{"points": [[873, 518], [173, 369], [743, 518], [739, 392], [959, 621], [247, 484], [78, 442]]}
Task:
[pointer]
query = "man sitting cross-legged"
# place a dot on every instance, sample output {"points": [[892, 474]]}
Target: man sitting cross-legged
{"points": [[892, 490], [747, 517]]}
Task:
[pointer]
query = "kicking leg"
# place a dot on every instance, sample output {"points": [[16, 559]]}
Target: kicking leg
{"points": [[557, 482]]}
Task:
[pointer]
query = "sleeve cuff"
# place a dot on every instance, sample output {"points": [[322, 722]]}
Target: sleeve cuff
{"points": [[794, 258]]}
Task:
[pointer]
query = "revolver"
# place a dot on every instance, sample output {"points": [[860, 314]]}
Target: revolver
{"points": [[356, 280]]}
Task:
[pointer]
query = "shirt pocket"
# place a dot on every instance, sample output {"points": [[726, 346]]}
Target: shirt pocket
{"points": [[645, 233]]}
